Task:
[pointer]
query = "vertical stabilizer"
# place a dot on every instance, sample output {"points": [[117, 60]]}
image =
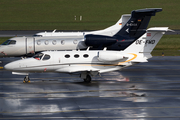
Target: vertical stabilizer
{"points": [[147, 42], [137, 24], [131, 30], [124, 19], [112, 30], [153, 36]]}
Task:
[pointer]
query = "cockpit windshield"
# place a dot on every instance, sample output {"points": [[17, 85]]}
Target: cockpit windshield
{"points": [[9, 42], [38, 56]]}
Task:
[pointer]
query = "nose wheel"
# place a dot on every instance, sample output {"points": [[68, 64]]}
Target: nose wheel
{"points": [[87, 79], [26, 79]]}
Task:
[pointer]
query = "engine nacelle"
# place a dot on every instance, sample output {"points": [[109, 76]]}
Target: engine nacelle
{"points": [[110, 56], [99, 40]]}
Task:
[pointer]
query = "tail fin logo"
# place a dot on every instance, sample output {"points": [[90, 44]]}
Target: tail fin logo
{"points": [[127, 30]]}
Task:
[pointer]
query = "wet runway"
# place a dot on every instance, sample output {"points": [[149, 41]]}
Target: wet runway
{"points": [[147, 91]]}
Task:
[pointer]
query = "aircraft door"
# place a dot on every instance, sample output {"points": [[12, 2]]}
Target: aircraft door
{"points": [[30, 46]]}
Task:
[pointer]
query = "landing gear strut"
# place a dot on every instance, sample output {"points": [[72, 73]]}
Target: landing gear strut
{"points": [[26, 79], [87, 79]]}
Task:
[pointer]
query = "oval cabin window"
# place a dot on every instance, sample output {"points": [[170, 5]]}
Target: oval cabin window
{"points": [[39, 42], [62, 42], [54, 42], [46, 42], [76, 55], [75, 41], [67, 56], [85, 55]]}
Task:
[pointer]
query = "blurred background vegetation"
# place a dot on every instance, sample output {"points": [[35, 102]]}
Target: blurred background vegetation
{"points": [[96, 14]]}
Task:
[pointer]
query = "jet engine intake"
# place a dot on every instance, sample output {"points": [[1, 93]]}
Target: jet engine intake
{"points": [[96, 41]]}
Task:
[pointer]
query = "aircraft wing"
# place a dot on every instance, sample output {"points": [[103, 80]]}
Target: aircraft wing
{"points": [[72, 69]]}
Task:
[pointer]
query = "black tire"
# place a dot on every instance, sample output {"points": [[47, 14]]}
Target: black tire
{"points": [[88, 79], [26, 79]]}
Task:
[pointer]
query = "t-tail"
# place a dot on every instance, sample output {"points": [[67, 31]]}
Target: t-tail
{"points": [[144, 45], [137, 24], [132, 30]]}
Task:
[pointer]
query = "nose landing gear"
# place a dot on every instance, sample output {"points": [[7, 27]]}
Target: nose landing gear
{"points": [[26, 79]]}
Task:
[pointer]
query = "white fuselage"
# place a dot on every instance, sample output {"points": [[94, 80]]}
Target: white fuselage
{"points": [[31, 45], [28, 46], [73, 61]]}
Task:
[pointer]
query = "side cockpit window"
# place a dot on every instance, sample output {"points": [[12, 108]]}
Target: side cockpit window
{"points": [[9, 42], [38, 56], [46, 57], [12, 42]]}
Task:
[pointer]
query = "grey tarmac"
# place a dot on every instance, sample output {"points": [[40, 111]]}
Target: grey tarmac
{"points": [[145, 91]]}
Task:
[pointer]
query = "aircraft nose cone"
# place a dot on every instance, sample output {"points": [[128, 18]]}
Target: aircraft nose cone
{"points": [[8, 67], [1, 51]]}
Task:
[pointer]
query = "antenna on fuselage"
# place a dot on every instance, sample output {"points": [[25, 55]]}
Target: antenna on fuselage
{"points": [[105, 48], [54, 31], [88, 48]]}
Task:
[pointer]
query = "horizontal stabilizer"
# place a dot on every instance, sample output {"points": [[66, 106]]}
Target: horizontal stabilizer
{"points": [[158, 29]]}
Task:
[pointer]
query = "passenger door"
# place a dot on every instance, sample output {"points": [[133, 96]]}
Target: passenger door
{"points": [[30, 46]]}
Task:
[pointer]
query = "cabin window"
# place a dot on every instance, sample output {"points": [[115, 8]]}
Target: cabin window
{"points": [[46, 42], [76, 55], [46, 57], [67, 56], [54, 42], [85, 55], [75, 41], [39, 42], [9, 42], [62, 42], [38, 56]]}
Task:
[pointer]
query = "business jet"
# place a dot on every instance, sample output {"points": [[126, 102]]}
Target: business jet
{"points": [[131, 31], [89, 62]]}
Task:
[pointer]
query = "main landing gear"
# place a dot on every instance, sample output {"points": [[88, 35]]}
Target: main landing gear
{"points": [[87, 75], [87, 79], [26, 79]]}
